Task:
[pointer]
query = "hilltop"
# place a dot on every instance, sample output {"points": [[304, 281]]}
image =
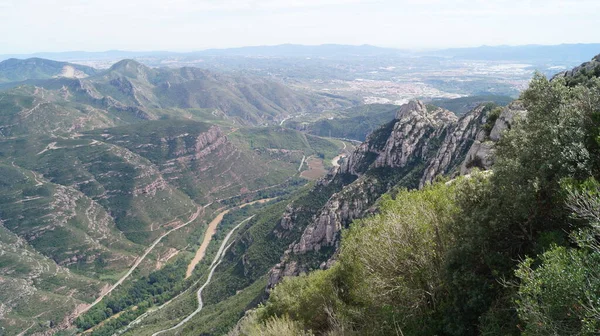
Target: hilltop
{"points": [[130, 92], [17, 70]]}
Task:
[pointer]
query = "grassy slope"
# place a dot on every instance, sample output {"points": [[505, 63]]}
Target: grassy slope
{"points": [[463, 105], [26, 111], [287, 141], [353, 123]]}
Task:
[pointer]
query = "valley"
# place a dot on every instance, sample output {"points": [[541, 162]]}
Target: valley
{"points": [[138, 261], [210, 232], [155, 197]]}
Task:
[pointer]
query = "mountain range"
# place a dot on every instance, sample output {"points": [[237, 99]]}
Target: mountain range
{"points": [[129, 92], [111, 180], [563, 52]]}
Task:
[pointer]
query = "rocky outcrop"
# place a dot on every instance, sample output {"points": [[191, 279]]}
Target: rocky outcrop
{"points": [[481, 153], [205, 143], [456, 143], [397, 143], [480, 156], [414, 127], [587, 69], [511, 113], [340, 210], [109, 102], [403, 145], [287, 221], [419, 145]]}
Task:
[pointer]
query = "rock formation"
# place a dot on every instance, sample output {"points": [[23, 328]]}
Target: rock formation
{"points": [[419, 145]]}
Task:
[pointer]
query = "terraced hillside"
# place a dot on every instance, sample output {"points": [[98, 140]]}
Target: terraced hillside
{"points": [[80, 210]]}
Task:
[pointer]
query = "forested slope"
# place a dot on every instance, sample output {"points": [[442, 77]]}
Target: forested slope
{"points": [[510, 252]]}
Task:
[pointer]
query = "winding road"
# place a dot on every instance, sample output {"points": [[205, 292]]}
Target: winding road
{"points": [[140, 259], [336, 160], [201, 252], [210, 232], [216, 262]]}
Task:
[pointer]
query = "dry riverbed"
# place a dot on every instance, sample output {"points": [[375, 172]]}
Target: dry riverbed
{"points": [[210, 232]]}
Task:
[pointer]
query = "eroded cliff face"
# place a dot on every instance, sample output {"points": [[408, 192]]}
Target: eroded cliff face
{"points": [[481, 153], [414, 128], [419, 145], [457, 142]]}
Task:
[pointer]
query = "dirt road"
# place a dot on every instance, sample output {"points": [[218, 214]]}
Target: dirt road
{"points": [[140, 259]]}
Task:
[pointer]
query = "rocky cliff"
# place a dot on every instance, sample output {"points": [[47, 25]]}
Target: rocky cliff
{"points": [[420, 144], [581, 73]]}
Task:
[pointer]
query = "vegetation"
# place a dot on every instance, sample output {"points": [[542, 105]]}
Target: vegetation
{"points": [[514, 252], [283, 141], [354, 123], [92, 204], [463, 105], [156, 288], [17, 70]]}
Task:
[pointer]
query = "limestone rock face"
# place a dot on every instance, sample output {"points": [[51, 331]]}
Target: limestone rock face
{"points": [[415, 126], [341, 209], [408, 137], [287, 221], [508, 116], [459, 138], [481, 156], [420, 144]]}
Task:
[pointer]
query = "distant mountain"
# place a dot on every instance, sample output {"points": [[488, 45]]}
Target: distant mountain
{"points": [[576, 53], [296, 50], [283, 50], [131, 92], [89, 55], [249, 99], [572, 53], [16, 70]]}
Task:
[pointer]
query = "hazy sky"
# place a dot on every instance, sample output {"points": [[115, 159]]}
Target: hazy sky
{"points": [[186, 25]]}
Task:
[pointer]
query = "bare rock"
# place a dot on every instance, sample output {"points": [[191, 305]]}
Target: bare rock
{"points": [[508, 116]]}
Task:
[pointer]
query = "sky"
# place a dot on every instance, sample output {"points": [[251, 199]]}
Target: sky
{"points": [[28, 26]]}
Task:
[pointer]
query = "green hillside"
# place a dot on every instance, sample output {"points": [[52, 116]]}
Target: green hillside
{"points": [[286, 141], [129, 92], [91, 203], [353, 123], [508, 253], [17, 70], [29, 110]]}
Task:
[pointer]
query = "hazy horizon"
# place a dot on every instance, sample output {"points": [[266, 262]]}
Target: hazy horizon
{"points": [[185, 25], [290, 44]]}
